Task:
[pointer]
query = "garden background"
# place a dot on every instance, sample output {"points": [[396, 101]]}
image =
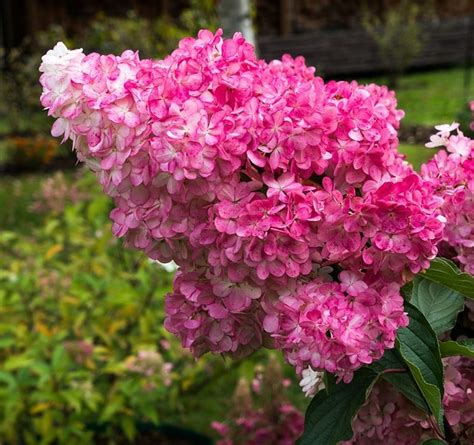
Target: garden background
{"points": [[84, 356]]}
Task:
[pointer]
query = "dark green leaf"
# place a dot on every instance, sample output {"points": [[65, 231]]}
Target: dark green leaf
{"points": [[330, 413], [434, 442], [405, 384], [439, 304], [419, 349], [446, 272], [329, 380], [393, 369], [407, 290], [390, 360], [459, 347]]}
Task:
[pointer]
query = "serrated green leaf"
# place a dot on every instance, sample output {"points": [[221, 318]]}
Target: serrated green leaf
{"points": [[445, 272], [329, 416], [393, 369], [459, 347], [419, 349], [405, 384], [439, 304]]}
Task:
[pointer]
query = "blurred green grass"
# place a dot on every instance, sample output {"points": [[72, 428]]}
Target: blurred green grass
{"points": [[432, 97], [416, 154]]}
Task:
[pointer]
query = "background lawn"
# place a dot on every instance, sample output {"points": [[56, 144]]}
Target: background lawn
{"points": [[432, 97], [416, 154]]}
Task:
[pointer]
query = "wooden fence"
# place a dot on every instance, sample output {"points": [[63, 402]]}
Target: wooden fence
{"points": [[352, 51]]}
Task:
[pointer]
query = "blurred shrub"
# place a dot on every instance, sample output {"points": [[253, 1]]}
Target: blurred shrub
{"points": [[30, 151], [83, 353], [153, 37], [397, 34], [20, 109]]}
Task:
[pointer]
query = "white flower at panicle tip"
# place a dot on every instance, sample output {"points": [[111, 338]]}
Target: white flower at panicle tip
{"points": [[447, 128], [311, 382], [59, 56], [441, 138]]}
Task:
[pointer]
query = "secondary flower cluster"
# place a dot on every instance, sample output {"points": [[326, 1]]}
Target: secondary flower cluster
{"points": [[450, 175], [275, 422], [283, 200], [390, 418]]}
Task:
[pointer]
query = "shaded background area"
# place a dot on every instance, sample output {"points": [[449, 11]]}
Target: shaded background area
{"points": [[84, 357]]}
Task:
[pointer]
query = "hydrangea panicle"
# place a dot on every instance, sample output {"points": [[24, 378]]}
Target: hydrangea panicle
{"points": [[450, 178], [283, 199]]}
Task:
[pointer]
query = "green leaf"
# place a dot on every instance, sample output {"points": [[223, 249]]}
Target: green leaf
{"points": [[128, 427], [59, 359], [459, 347], [7, 378], [113, 406], [439, 304], [329, 380], [434, 442], [392, 368], [17, 362], [445, 272], [6, 342], [405, 384], [72, 398], [419, 349], [390, 360], [407, 290], [330, 413]]}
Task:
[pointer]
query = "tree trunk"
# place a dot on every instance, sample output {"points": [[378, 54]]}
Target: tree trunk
{"points": [[234, 16]]}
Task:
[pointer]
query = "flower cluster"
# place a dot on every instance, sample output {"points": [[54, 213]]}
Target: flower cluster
{"points": [[282, 427], [275, 422], [283, 200], [450, 176], [390, 418]]}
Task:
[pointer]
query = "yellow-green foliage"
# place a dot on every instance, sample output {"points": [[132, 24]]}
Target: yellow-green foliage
{"points": [[77, 310]]}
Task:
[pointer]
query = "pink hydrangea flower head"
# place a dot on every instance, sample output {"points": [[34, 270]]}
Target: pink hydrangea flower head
{"points": [[283, 199], [450, 178]]}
